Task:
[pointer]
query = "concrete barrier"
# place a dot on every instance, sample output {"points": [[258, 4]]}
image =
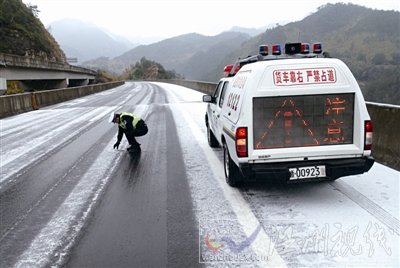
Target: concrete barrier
{"points": [[385, 119], [386, 142], [19, 103], [204, 87], [15, 104]]}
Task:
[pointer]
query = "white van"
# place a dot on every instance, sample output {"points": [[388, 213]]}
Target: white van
{"points": [[295, 118]]}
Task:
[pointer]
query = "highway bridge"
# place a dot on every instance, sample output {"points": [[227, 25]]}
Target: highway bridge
{"points": [[41, 73], [68, 199]]}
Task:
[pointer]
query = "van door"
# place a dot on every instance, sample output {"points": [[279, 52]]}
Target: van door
{"points": [[213, 106], [218, 110]]}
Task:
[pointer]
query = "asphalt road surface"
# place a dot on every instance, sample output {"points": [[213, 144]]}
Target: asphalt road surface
{"points": [[68, 199], [141, 213]]}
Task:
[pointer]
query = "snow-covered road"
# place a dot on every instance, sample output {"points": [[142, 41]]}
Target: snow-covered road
{"points": [[57, 165], [353, 221]]}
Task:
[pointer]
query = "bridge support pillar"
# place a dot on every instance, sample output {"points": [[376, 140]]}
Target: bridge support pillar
{"points": [[64, 83], [3, 85]]}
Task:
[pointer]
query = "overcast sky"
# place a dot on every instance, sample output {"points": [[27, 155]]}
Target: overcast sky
{"points": [[135, 19]]}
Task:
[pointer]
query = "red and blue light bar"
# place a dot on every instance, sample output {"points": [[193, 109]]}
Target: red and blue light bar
{"points": [[305, 48], [228, 69], [276, 49], [263, 50], [317, 48]]}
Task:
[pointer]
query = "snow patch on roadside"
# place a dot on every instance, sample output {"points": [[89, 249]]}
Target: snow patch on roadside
{"points": [[222, 212]]}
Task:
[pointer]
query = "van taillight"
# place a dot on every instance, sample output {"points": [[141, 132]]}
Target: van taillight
{"points": [[241, 142], [368, 133]]}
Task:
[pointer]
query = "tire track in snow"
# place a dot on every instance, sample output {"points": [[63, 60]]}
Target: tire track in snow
{"points": [[16, 124], [368, 205], [19, 158], [66, 223], [57, 238]]}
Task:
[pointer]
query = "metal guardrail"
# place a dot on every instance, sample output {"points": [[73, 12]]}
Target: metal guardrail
{"points": [[40, 63]]}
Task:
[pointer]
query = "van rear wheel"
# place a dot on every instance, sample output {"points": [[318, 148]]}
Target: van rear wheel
{"points": [[233, 176]]}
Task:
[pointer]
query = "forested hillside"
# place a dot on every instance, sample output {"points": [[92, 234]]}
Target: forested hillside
{"points": [[148, 70], [365, 39], [22, 33]]}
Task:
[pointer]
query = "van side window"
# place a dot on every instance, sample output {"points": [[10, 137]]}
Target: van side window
{"points": [[218, 90], [221, 99]]}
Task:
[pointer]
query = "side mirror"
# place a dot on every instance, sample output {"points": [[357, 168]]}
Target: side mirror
{"points": [[208, 98]]}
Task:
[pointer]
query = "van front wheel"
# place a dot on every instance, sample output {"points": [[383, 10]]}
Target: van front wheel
{"points": [[212, 141], [232, 173]]}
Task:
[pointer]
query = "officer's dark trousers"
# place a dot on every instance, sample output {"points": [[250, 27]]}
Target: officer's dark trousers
{"points": [[140, 130]]}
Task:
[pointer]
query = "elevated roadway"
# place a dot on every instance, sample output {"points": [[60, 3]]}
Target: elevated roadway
{"points": [[41, 73]]}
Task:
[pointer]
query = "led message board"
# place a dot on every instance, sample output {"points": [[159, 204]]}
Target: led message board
{"points": [[298, 121]]}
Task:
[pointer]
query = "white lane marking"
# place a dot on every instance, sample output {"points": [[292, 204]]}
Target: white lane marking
{"points": [[263, 243]]}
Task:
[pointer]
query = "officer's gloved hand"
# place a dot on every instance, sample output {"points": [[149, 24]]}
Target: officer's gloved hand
{"points": [[116, 145]]}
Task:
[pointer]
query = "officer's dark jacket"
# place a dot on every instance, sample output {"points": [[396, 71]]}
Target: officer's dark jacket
{"points": [[127, 123]]}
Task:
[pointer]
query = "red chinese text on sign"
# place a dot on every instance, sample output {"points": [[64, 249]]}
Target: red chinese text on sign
{"points": [[306, 76]]}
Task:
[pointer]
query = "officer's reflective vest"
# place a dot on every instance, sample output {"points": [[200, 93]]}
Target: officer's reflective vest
{"points": [[135, 120]]}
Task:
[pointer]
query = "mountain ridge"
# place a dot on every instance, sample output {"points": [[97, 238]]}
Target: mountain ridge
{"points": [[86, 41], [177, 53]]}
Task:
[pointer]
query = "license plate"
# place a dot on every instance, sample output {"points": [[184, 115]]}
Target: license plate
{"points": [[307, 172]]}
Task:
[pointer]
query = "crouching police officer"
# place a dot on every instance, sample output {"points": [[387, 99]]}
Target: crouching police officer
{"points": [[132, 126]]}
